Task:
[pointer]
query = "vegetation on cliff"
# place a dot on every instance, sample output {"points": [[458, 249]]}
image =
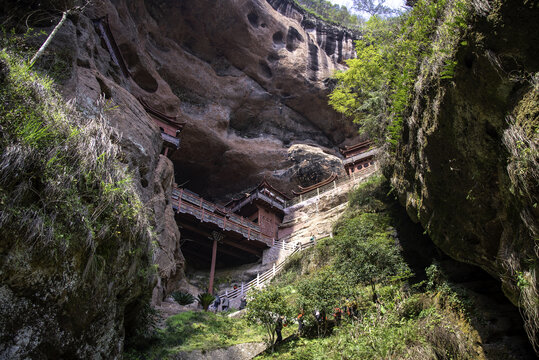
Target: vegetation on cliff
{"points": [[377, 90], [399, 318], [429, 86], [330, 12], [71, 221]]}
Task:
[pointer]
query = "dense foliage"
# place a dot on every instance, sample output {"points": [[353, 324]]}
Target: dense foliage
{"points": [[427, 321], [377, 90], [331, 12]]}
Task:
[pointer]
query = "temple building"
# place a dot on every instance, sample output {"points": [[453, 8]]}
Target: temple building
{"points": [[264, 205], [170, 128], [358, 157], [215, 236]]}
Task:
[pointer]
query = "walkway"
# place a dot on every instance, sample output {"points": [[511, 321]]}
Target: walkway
{"points": [[263, 279], [187, 202]]}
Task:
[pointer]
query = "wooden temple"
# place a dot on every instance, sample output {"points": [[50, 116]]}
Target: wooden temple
{"points": [[219, 236], [263, 205], [170, 127], [358, 157]]}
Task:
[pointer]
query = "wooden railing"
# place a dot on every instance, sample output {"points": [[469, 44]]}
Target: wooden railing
{"points": [[187, 202], [356, 177]]}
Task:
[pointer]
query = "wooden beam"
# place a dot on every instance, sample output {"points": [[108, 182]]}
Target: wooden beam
{"points": [[212, 268], [243, 247], [206, 234]]}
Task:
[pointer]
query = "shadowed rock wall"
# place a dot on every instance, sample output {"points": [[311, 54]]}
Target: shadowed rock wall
{"points": [[453, 168]]}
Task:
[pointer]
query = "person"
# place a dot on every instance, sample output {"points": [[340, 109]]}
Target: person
{"points": [[224, 304], [279, 328], [243, 303], [300, 322], [337, 316], [313, 239], [318, 316], [235, 287], [216, 302]]}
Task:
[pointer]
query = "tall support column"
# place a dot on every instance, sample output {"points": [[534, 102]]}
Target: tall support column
{"points": [[216, 238]]}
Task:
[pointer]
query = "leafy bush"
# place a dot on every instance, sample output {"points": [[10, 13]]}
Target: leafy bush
{"points": [[183, 298], [264, 307], [377, 90]]}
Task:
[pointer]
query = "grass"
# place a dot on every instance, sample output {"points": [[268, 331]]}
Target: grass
{"points": [[193, 330]]}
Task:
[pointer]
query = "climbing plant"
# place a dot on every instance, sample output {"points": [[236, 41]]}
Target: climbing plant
{"points": [[376, 91]]}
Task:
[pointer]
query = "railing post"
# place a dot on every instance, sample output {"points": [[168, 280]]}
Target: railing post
{"points": [[283, 244], [273, 242], [180, 200], [258, 280], [242, 288], [334, 184], [301, 198], [249, 233], [226, 293], [273, 269], [224, 222], [318, 192]]}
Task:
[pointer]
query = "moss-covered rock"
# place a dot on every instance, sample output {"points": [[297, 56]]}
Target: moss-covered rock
{"points": [[453, 169], [74, 246]]}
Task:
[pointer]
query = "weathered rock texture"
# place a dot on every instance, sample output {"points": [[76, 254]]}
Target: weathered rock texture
{"points": [[237, 352], [248, 80], [452, 172]]}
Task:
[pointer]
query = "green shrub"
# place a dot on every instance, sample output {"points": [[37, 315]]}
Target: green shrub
{"points": [[205, 300], [182, 298]]}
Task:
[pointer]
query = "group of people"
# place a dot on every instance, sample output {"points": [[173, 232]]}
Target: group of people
{"points": [[350, 310], [224, 302]]}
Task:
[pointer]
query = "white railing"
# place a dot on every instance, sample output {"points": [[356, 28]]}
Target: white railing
{"points": [[356, 176], [264, 278]]}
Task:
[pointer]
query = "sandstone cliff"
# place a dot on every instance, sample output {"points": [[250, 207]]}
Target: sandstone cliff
{"points": [[460, 171], [248, 80]]}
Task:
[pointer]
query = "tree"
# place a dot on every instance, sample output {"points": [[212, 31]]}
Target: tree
{"points": [[264, 307], [373, 7], [321, 292], [366, 253]]}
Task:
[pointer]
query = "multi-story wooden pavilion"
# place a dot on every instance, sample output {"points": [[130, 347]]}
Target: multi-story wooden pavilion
{"points": [[263, 205], [358, 157], [218, 236]]}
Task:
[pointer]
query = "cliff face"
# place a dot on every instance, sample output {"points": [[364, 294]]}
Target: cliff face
{"points": [[460, 171], [248, 80]]}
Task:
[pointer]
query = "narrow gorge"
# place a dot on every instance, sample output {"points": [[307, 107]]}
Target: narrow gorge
{"points": [[175, 146]]}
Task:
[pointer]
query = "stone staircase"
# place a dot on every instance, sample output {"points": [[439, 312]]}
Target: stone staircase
{"points": [[284, 250]]}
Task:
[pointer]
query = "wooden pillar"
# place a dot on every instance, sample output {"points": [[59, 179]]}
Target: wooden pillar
{"points": [[217, 237], [212, 269]]}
